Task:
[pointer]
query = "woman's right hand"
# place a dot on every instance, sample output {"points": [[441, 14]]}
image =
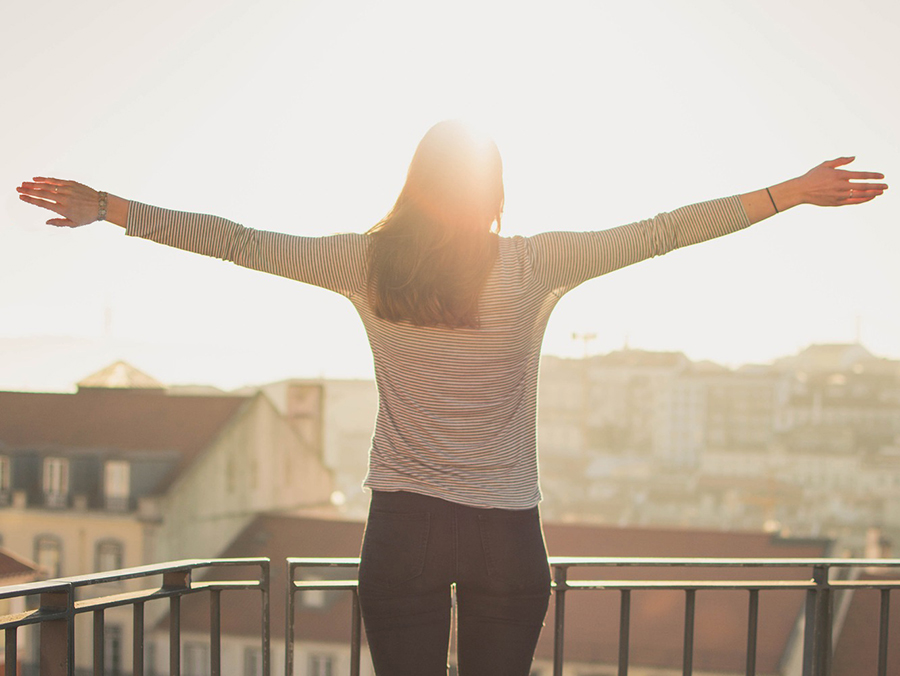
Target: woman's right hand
{"points": [[77, 204]]}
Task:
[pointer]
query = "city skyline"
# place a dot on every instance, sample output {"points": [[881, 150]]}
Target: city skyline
{"points": [[70, 360]]}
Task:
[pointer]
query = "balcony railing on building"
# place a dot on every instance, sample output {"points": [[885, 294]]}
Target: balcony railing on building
{"points": [[59, 602]]}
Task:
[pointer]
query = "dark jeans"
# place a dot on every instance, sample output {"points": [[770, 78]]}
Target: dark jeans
{"points": [[415, 547]]}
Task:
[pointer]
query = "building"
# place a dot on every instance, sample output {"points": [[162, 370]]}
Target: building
{"points": [[122, 474], [15, 570], [346, 412], [809, 444]]}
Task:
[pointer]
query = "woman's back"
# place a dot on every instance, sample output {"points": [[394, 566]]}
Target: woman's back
{"points": [[457, 406]]}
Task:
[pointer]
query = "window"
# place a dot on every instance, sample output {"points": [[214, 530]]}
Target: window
{"points": [[195, 659], [117, 484], [112, 650], [109, 555], [150, 659], [48, 554], [56, 482], [252, 662], [5, 480], [321, 665], [312, 598]]}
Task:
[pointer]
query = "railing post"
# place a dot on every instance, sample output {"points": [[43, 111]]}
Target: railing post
{"points": [[560, 575], [822, 633], [688, 653], [289, 622], [215, 632], [99, 654], [265, 584], [883, 631], [624, 629], [57, 644], [175, 580], [137, 640], [355, 635], [809, 632], [752, 628], [11, 652]]}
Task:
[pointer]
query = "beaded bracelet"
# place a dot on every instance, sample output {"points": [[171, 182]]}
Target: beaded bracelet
{"points": [[101, 212]]}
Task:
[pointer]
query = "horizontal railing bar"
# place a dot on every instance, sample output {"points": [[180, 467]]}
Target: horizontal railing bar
{"points": [[157, 569], [31, 617], [573, 561], [324, 585], [743, 585], [728, 584], [570, 561], [127, 598], [865, 584], [314, 562], [222, 585], [33, 588]]}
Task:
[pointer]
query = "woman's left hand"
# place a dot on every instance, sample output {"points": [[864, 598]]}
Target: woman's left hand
{"points": [[77, 204], [828, 186]]}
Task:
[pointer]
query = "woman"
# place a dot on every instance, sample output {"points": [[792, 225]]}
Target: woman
{"points": [[455, 316]]}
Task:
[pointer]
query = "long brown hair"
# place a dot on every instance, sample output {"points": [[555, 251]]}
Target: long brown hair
{"points": [[432, 253]]}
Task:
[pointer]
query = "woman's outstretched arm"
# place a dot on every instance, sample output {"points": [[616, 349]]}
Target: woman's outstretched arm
{"points": [[335, 262], [563, 260], [824, 186]]}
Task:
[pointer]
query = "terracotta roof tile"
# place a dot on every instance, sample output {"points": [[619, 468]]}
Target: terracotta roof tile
{"points": [[115, 421], [130, 420], [14, 566]]}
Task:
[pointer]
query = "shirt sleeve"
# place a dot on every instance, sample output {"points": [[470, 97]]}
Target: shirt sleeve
{"points": [[335, 262], [563, 260]]}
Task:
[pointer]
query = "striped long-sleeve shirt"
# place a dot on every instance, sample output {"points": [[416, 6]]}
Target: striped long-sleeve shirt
{"points": [[457, 407]]}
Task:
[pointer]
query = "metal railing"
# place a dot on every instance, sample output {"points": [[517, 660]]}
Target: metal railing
{"points": [[818, 614], [60, 601]]}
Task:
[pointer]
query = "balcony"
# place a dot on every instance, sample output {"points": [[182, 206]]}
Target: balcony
{"points": [[824, 584]]}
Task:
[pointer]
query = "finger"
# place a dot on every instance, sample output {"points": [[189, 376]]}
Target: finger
{"points": [[48, 190], [856, 187], [861, 200], [38, 190], [50, 180], [859, 197], [855, 175], [57, 181], [61, 223], [838, 162], [44, 204]]}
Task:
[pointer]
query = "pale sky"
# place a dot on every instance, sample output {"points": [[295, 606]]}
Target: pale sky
{"points": [[302, 117]]}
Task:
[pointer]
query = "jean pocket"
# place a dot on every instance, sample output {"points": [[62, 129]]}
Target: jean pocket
{"points": [[514, 551], [394, 548]]}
